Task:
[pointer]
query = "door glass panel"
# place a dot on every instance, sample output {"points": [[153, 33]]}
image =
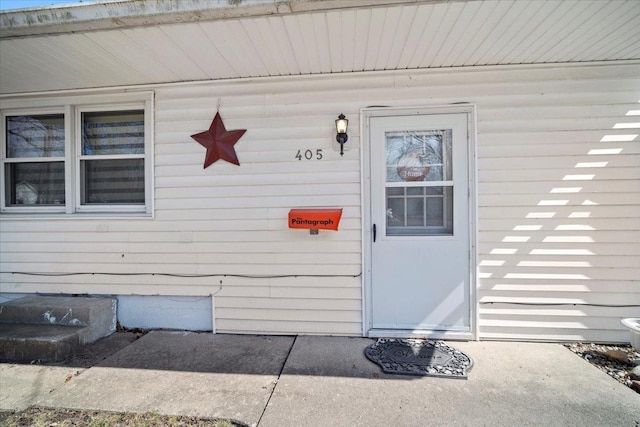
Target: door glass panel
{"points": [[435, 212], [397, 191], [409, 214], [415, 211], [414, 156], [395, 212], [419, 182]]}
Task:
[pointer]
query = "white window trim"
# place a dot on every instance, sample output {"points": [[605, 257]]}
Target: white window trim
{"points": [[72, 107]]}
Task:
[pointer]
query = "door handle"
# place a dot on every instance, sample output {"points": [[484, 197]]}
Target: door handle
{"points": [[374, 233]]}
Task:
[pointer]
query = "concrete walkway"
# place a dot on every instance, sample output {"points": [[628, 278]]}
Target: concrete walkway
{"points": [[322, 381]]}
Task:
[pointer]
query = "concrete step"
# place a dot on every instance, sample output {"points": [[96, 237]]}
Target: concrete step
{"points": [[29, 342], [95, 317]]}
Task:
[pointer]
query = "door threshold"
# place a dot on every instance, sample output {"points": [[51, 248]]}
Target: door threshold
{"points": [[426, 334]]}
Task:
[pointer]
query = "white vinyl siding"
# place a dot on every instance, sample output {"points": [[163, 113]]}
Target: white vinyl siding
{"points": [[241, 211], [558, 203]]}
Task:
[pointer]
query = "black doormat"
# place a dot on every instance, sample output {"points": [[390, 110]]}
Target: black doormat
{"points": [[419, 357]]}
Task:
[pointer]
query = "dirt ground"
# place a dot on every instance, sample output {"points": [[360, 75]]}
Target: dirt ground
{"points": [[54, 417]]}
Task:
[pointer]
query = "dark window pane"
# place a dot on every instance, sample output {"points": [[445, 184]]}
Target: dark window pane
{"points": [[35, 136], [395, 191], [395, 212], [34, 183], [434, 191], [415, 212], [112, 181], [448, 207], [116, 132], [435, 212]]}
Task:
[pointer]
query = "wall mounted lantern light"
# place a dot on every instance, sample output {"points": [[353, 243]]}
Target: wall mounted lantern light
{"points": [[341, 129]]}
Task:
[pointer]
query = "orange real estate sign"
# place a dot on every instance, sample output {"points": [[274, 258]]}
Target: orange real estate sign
{"points": [[315, 219]]}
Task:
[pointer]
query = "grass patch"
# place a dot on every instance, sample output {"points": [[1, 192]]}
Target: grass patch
{"points": [[56, 417]]}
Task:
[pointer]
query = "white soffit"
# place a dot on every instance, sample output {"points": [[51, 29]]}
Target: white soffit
{"points": [[259, 38]]}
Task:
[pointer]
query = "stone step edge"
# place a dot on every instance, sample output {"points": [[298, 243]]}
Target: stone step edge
{"points": [[55, 310], [28, 342]]}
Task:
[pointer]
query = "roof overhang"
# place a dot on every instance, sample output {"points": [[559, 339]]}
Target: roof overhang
{"points": [[112, 14], [148, 42]]}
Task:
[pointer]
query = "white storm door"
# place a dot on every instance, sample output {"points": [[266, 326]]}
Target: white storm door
{"points": [[420, 254]]}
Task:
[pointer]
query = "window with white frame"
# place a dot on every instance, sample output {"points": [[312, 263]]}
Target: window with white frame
{"points": [[34, 165], [77, 158]]}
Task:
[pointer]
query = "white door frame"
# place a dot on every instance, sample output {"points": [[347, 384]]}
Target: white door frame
{"points": [[365, 166]]}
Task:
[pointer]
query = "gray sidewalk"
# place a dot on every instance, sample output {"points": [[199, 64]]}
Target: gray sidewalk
{"points": [[322, 381]]}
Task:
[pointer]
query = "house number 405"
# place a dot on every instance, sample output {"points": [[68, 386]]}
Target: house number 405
{"points": [[309, 154]]}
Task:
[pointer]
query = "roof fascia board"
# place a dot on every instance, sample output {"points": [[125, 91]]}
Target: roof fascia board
{"points": [[118, 14]]}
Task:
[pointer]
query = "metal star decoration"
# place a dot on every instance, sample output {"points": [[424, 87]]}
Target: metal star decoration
{"points": [[219, 142]]}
